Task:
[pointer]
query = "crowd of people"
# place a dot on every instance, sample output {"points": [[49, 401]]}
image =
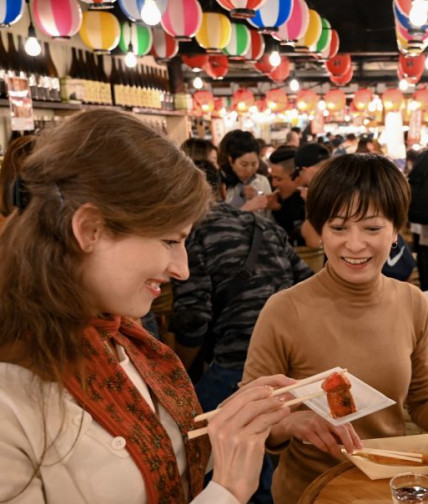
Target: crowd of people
{"points": [[99, 212]]}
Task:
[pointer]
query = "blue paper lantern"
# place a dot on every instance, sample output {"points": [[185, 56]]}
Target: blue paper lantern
{"points": [[274, 13], [10, 11], [132, 8]]}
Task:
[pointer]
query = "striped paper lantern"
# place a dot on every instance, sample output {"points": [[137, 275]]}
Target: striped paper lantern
{"points": [[100, 31], [140, 36], [256, 47], [132, 8], [333, 47], [10, 11], [217, 66], [313, 32], [403, 6], [239, 42], [99, 4], [272, 14], [325, 37], [182, 19], [164, 46], [241, 9], [215, 32], [296, 25], [404, 21], [58, 18]]}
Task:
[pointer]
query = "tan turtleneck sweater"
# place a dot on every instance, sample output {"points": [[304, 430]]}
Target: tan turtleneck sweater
{"points": [[378, 331]]}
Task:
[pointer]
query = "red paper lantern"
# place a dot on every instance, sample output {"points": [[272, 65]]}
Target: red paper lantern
{"points": [[242, 100], [307, 101], [217, 66], [256, 47], [264, 65], [362, 98], [164, 46], [344, 79], [195, 61], [412, 67], [392, 100], [282, 71], [335, 100], [277, 100], [204, 100], [339, 65], [421, 97]]}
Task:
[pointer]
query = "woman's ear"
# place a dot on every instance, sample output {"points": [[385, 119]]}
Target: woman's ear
{"points": [[87, 226]]}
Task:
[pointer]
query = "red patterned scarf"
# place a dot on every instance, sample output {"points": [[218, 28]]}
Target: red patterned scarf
{"points": [[115, 403]]}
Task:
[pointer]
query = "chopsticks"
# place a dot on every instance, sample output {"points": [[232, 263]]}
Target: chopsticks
{"points": [[204, 430], [411, 456], [306, 381]]}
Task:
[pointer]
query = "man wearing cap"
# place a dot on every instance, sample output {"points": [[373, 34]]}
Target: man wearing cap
{"points": [[291, 212], [309, 159]]}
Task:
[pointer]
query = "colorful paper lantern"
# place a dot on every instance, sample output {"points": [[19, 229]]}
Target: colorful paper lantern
{"points": [[342, 80], [195, 61], [392, 100], [271, 15], [58, 18], [325, 37], [182, 19], [421, 97], [297, 24], [215, 32], [412, 66], [241, 9], [10, 11], [405, 22], [164, 47], [140, 36], [239, 42], [204, 100], [100, 31], [256, 47], [217, 66], [277, 100], [403, 6], [362, 98], [282, 71], [242, 100], [264, 65], [339, 65], [313, 32], [335, 100], [307, 101], [99, 4], [333, 48], [132, 8]]}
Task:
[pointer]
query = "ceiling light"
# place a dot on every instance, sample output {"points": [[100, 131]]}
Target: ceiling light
{"points": [[130, 58], [150, 13], [275, 58], [403, 85], [32, 45], [198, 83], [322, 105], [418, 13], [294, 85]]}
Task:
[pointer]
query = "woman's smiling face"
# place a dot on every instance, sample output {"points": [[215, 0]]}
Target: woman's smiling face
{"points": [[357, 247]]}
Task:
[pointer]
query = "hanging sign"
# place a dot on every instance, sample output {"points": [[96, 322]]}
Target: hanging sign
{"points": [[21, 104], [317, 123], [415, 126]]}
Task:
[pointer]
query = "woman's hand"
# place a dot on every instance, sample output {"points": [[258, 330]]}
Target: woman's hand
{"points": [[311, 428], [257, 203], [239, 431]]}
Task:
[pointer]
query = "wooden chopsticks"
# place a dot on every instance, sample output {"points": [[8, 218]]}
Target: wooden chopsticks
{"points": [[394, 454], [320, 376], [204, 430]]}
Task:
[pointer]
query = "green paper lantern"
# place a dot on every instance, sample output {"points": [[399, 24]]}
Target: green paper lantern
{"points": [[140, 36], [325, 37], [239, 41]]}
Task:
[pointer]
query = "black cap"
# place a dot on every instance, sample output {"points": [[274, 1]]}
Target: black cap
{"points": [[282, 153], [310, 154]]}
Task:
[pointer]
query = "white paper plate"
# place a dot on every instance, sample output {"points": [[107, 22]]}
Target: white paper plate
{"points": [[374, 471], [367, 399]]}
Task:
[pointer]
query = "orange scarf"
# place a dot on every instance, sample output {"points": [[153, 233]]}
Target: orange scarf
{"points": [[114, 402]]}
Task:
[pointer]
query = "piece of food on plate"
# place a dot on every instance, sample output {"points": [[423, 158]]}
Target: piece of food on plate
{"points": [[339, 397], [382, 459]]}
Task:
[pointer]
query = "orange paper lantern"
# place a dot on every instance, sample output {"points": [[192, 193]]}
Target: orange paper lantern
{"points": [[392, 100], [242, 100], [277, 100], [307, 101], [335, 100], [204, 100], [362, 98]]}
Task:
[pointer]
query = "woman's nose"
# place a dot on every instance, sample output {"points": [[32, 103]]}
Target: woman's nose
{"points": [[179, 265], [355, 241]]}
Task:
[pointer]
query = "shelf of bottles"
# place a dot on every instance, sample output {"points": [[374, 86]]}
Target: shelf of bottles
{"points": [[142, 89]]}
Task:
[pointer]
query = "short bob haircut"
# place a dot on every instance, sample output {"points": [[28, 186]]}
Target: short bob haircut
{"points": [[361, 179]]}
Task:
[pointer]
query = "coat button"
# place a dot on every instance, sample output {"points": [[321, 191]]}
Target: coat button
{"points": [[118, 443]]}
